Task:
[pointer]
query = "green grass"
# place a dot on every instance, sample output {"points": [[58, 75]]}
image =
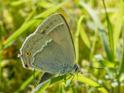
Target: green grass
{"points": [[97, 28]]}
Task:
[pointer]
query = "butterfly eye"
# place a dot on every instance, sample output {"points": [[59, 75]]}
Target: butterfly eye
{"points": [[28, 53]]}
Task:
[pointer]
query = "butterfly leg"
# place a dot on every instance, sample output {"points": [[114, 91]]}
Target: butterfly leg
{"points": [[45, 77]]}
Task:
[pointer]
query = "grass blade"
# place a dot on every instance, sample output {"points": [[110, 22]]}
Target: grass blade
{"points": [[83, 35], [110, 33], [99, 26], [78, 77], [27, 82], [90, 82], [41, 87], [18, 32], [119, 22], [121, 68], [50, 11], [30, 23], [82, 32]]}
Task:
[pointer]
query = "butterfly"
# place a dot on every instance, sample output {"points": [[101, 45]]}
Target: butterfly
{"points": [[50, 47]]}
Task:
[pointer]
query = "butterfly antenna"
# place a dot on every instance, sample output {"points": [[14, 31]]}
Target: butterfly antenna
{"points": [[45, 77]]}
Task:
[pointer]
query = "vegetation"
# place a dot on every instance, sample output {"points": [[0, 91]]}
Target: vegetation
{"points": [[97, 28]]}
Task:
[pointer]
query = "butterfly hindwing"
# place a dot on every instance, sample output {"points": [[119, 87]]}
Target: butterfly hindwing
{"points": [[33, 43]]}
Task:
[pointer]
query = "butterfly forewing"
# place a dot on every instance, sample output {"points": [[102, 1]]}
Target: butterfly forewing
{"points": [[49, 23], [60, 33], [59, 53]]}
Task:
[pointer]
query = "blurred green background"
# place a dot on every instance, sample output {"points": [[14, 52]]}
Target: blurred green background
{"points": [[97, 28]]}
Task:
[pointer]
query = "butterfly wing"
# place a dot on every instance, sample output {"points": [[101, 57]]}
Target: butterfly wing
{"points": [[31, 44], [59, 54], [50, 59], [50, 47], [57, 28], [49, 23]]}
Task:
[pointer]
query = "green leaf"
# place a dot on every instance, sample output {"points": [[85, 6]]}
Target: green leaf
{"points": [[99, 26], [78, 77], [30, 23], [89, 82], [50, 11], [83, 33], [121, 66], [92, 14], [110, 34], [119, 21], [19, 31], [41, 87], [107, 63], [45, 4], [17, 3], [27, 82], [105, 43]]}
